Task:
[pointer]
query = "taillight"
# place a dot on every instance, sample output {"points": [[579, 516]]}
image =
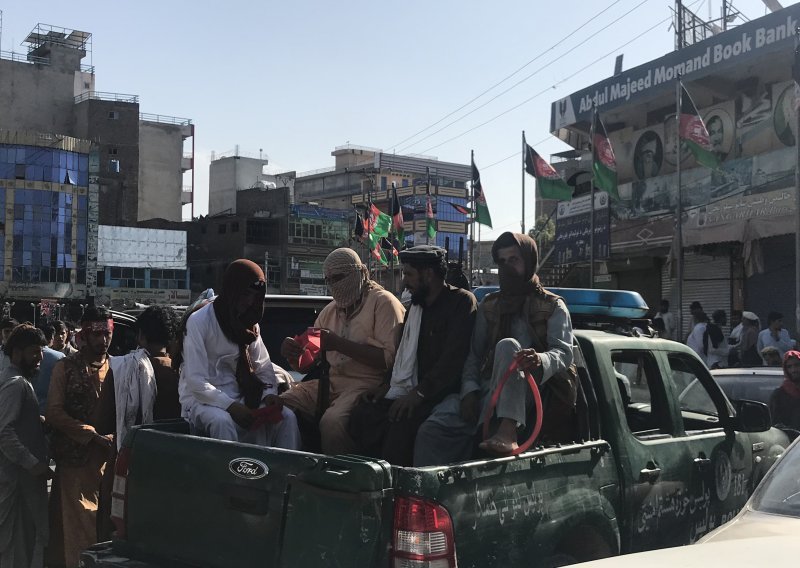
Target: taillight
{"points": [[119, 494], [423, 535]]}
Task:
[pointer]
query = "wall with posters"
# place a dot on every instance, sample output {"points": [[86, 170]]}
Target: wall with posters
{"points": [[573, 229]]}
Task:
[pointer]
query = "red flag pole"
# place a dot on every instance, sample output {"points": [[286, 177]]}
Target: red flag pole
{"points": [[591, 199], [472, 221]]}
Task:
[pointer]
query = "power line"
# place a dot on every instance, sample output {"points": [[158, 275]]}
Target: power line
{"points": [[542, 68], [554, 86], [445, 117]]}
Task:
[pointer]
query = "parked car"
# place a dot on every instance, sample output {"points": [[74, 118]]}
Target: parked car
{"points": [[749, 383]]}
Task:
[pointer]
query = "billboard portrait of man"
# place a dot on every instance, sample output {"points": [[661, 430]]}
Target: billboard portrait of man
{"points": [[648, 155]]}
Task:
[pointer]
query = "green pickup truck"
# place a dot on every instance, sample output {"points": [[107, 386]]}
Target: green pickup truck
{"points": [[654, 470]]}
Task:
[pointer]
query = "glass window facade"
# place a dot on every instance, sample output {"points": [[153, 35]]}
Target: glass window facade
{"points": [[50, 227]]}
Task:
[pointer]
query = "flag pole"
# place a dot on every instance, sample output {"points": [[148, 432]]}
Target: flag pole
{"points": [[679, 206], [472, 221], [391, 237], [591, 199], [369, 230], [523, 183], [427, 201]]}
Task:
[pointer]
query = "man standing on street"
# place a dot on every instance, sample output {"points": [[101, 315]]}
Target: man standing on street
{"points": [[668, 318], [775, 335], [24, 466], [79, 450], [434, 344]]}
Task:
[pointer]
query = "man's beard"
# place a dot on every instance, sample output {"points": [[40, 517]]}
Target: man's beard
{"points": [[418, 297]]}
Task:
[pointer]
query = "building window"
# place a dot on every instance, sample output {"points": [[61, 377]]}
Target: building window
{"points": [[383, 183], [405, 183], [235, 227], [222, 228], [112, 151], [113, 166], [113, 115]]}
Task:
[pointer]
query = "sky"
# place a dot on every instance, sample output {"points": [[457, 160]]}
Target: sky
{"points": [[294, 79]]}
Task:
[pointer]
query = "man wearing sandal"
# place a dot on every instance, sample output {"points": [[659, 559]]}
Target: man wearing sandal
{"points": [[522, 322]]}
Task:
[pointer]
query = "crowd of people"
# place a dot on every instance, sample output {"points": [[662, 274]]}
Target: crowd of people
{"points": [[747, 345], [411, 384]]}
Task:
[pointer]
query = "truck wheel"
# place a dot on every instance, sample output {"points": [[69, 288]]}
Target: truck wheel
{"points": [[558, 560]]}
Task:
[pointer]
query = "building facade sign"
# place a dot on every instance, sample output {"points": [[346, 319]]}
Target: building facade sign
{"points": [[756, 39], [107, 296], [573, 229], [37, 291]]}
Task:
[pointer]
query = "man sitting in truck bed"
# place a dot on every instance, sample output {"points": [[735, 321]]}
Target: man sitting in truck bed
{"points": [[227, 373], [359, 332], [435, 342], [522, 322]]}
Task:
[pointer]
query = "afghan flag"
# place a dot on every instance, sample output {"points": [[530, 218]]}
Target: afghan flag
{"points": [[482, 215], [397, 216], [604, 164], [548, 183], [378, 222], [386, 244], [359, 230], [460, 208], [430, 220], [694, 134]]}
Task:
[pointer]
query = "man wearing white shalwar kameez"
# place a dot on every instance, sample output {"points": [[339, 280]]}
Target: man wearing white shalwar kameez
{"points": [[227, 373], [23, 456]]}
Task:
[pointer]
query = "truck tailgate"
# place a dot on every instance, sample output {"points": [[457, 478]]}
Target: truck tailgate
{"points": [[203, 502]]}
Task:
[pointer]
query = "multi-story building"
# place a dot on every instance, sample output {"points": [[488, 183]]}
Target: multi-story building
{"points": [[364, 175], [739, 219], [233, 172], [146, 160]]}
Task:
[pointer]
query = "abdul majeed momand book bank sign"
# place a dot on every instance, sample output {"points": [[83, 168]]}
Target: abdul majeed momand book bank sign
{"points": [[755, 39]]}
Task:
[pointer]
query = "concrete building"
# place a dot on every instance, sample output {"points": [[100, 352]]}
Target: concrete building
{"points": [[231, 173], [146, 160], [738, 225], [362, 175]]}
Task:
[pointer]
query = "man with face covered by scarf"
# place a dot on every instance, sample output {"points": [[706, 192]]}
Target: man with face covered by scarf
{"points": [[227, 373], [522, 322], [359, 332], [784, 404]]}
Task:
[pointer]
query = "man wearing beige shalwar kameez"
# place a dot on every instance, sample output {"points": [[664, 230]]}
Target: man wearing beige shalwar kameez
{"points": [[80, 452]]}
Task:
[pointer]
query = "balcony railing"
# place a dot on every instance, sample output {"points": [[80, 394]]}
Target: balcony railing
{"points": [[164, 119], [103, 96]]}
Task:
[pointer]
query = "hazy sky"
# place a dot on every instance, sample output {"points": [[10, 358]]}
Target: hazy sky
{"points": [[298, 78]]}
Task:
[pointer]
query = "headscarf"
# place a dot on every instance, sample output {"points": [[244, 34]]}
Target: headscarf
{"points": [[789, 386], [347, 291], [240, 328]]}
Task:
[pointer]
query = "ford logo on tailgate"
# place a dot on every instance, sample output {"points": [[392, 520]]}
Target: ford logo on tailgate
{"points": [[247, 468]]}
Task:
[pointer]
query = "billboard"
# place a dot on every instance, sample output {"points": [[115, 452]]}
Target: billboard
{"points": [[131, 247], [573, 228]]}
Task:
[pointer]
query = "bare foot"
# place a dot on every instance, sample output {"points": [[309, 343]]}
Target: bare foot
{"points": [[498, 447]]}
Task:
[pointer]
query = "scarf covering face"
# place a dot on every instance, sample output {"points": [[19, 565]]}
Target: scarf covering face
{"points": [[345, 262], [240, 328], [789, 386]]}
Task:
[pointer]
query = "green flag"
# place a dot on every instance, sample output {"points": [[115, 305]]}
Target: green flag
{"points": [[694, 134], [430, 220], [378, 222], [548, 183], [480, 207], [604, 164]]}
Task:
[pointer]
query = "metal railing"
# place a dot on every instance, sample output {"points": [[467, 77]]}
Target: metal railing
{"points": [[164, 119], [316, 172], [357, 147], [34, 59], [103, 96]]}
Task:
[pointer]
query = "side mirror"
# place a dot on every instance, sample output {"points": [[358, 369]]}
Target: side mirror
{"points": [[751, 416]]}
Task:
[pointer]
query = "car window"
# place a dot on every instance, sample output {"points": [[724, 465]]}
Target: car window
{"points": [[642, 393], [779, 493], [698, 409]]}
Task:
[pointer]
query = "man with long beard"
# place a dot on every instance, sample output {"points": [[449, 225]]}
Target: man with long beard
{"points": [[79, 450], [227, 374], [359, 336], [434, 344], [522, 322], [23, 455]]}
